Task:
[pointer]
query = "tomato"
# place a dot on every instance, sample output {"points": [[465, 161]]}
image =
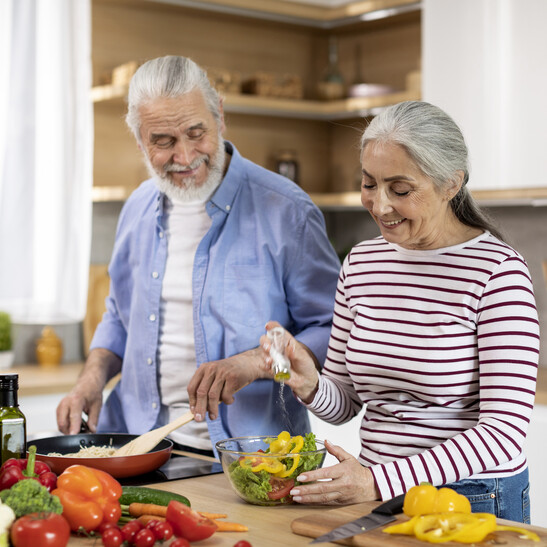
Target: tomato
{"points": [[144, 538], [188, 523], [44, 529], [180, 542], [163, 531], [104, 526], [112, 537], [243, 543], [280, 488], [129, 530]]}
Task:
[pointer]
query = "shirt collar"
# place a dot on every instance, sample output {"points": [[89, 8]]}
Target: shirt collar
{"points": [[225, 194]]}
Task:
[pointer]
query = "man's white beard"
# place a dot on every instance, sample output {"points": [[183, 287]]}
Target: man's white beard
{"points": [[191, 192]]}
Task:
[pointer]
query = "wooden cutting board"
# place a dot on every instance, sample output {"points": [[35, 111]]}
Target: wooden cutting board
{"points": [[317, 524]]}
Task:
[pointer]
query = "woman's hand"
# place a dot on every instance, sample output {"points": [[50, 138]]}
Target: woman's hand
{"points": [[304, 375], [349, 482]]}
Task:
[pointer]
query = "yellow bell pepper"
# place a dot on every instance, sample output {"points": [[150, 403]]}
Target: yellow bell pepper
{"points": [[453, 526], [282, 445], [425, 499]]}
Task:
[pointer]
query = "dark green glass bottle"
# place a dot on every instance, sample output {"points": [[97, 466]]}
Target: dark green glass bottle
{"points": [[13, 424]]}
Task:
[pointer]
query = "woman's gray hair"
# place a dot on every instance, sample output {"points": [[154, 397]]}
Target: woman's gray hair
{"points": [[436, 144], [167, 77]]}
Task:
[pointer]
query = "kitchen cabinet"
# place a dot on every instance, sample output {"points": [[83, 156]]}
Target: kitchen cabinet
{"points": [[247, 38]]}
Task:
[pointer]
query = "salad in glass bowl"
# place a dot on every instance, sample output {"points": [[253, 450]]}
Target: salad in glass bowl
{"points": [[262, 470]]}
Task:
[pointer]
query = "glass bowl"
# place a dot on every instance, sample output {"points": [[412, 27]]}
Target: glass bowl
{"points": [[264, 478]]}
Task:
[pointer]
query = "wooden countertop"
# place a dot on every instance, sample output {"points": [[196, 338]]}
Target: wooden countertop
{"points": [[271, 526], [38, 380]]}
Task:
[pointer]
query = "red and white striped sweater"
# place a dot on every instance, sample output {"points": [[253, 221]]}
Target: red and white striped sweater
{"points": [[442, 347]]}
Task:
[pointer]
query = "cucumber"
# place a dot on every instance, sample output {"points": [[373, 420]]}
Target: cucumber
{"points": [[142, 494]]}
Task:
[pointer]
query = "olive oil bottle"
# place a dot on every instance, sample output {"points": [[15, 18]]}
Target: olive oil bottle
{"points": [[13, 424]]}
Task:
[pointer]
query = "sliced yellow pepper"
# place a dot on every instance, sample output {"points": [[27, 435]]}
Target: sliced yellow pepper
{"points": [[257, 463], [425, 499], [453, 526], [281, 444]]}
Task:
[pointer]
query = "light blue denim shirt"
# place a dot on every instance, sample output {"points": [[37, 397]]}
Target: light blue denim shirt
{"points": [[266, 256]]}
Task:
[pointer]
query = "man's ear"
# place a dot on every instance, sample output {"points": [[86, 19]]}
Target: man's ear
{"points": [[454, 186]]}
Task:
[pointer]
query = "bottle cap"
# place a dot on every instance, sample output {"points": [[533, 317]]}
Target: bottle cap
{"points": [[9, 381]]}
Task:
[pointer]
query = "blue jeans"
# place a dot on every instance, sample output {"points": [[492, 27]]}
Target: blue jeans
{"points": [[506, 497]]}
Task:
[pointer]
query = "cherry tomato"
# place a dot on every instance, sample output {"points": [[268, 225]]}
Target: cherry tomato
{"points": [[44, 529], [105, 526], [151, 524], [163, 530], [243, 543], [188, 523], [129, 530], [280, 488], [112, 537], [180, 542], [144, 538]]}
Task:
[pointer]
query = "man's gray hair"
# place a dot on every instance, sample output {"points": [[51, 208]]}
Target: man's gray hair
{"points": [[167, 77], [436, 144]]}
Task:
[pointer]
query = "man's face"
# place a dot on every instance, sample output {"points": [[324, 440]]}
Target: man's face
{"points": [[182, 141]]}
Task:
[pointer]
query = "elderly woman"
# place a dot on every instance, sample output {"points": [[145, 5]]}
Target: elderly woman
{"points": [[435, 332]]}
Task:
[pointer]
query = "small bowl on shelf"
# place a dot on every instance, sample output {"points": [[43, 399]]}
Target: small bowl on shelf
{"points": [[265, 478]]}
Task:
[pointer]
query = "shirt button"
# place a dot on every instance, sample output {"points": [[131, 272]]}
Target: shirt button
{"points": [[152, 317], [154, 405], [161, 234], [149, 361], [155, 275], [228, 207]]}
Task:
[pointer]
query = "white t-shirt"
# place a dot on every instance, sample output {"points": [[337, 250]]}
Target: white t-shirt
{"points": [[187, 223]]}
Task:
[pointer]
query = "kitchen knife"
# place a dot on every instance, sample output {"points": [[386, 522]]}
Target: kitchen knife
{"points": [[383, 514]]}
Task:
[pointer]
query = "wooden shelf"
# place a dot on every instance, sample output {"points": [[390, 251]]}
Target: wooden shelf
{"points": [[318, 16], [286, 108], [535, 197]]}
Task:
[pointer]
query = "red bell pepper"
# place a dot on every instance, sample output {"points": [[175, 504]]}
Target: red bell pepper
{"points": [[90, 497], [14, 470]]}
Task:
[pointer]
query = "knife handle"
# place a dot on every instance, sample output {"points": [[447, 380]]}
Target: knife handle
{"points": [[391, 507]]}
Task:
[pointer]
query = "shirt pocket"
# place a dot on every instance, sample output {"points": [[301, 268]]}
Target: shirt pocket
{"points": [[248, 295]]}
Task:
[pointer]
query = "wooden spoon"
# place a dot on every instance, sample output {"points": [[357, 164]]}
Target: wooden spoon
{"points": [[145, 442]]}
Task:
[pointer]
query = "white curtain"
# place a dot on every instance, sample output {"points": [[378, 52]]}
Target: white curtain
{"points": [[484, 62], [46, 151]]}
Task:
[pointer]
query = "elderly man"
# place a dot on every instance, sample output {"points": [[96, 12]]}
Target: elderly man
{"points": [[206, 251]]}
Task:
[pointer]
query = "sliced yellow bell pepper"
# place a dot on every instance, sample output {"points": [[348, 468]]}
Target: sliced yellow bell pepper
{"points": [[425, 499], [284, 444], [453, 526], [281, 444]]}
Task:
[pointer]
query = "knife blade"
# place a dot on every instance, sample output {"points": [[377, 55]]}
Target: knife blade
{"points": [[383, 514]]}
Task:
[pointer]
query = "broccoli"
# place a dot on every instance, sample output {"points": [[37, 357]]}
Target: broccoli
{"points": [[29, 496]]}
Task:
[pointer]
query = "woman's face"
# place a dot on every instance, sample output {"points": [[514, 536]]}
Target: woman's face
{"points": [[404, 202]]}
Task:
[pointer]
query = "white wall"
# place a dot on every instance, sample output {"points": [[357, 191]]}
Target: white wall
{"points": [[484, 63]]}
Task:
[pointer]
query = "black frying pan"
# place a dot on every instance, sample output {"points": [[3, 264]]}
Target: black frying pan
{"points": [[118, 467]]}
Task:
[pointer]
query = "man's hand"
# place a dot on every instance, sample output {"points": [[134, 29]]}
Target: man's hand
{"points": [[87, 395], [217, 381]]}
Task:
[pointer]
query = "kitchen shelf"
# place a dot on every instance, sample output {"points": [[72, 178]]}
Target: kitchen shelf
{"points": [[535, 197], [286, 108], [312, 15], [347, 201]]}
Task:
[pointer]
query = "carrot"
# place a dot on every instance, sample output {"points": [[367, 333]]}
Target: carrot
{"points": [[212, 515], [145, 519], [223, 526], [138, 509]]}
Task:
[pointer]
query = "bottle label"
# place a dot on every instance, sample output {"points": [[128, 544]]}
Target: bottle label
{"points": [[12, 433]]}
